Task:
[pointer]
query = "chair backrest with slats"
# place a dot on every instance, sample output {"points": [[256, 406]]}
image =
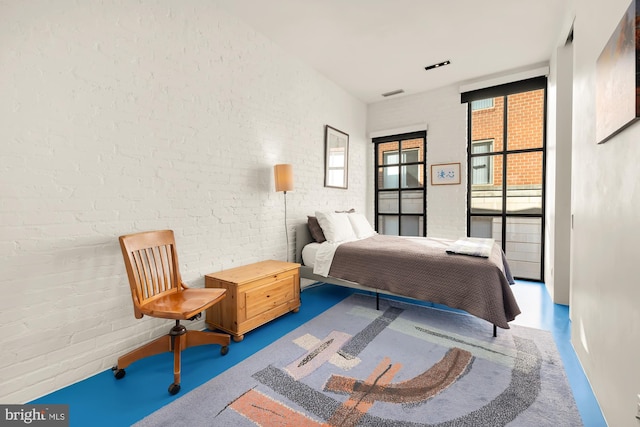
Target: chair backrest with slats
{"points": [[152, 265]]}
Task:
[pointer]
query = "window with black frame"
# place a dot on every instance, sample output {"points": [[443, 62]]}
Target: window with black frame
{"points": [[506, 161], [400, 191]]}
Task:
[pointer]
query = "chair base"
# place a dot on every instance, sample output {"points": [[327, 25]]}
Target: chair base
{"points": [[178, 339]]}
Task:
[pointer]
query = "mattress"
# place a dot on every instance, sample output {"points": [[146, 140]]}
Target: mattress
{"points": [[309, 253], [423, 269]]}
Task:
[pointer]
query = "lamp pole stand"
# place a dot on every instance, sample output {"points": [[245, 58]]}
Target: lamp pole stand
{"points": [[283, 178], [286, 229]]}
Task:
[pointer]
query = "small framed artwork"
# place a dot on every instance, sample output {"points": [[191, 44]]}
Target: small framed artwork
{"points": [[336, 161], [445, 174]]}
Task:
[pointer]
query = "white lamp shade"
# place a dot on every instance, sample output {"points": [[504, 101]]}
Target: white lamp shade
{"points": [[283, 177]]}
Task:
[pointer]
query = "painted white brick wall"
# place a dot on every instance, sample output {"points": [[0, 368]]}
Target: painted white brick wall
{"points": [[446, 118], [120, 117]]}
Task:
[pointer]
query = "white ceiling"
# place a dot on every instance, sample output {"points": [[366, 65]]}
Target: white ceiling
{"points": [[370, 47]]}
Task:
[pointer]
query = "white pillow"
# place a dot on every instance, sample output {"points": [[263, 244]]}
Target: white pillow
{"points": [[361, 226], [336, 226]]}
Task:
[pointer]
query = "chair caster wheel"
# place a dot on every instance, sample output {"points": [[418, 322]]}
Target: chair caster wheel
{"points": [[174, 388], [224, 350], [118, 373]]}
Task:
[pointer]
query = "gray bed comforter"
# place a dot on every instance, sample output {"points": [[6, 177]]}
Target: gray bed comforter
{"points": [[425, 271]]}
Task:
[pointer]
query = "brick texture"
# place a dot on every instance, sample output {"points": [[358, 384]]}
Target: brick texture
{"points": [[119, 119], [525, 130]]}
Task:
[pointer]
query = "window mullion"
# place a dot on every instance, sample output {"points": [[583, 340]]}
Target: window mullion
{"points": [[505, 142]]}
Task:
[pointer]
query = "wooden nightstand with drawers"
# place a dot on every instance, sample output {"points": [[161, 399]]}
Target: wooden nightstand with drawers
{"points": [[256, 294]]}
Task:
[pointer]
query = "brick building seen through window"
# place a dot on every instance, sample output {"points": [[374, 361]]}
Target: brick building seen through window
{"points": [[512, 194]]}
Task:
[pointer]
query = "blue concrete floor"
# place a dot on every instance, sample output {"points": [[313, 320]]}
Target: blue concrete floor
{"points": [[103, 401]]}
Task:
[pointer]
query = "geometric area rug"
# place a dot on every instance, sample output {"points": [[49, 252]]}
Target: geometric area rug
{"points": [[401, 365]]}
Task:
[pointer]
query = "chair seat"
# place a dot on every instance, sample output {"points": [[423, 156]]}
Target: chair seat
{"points": [[182, 305]]}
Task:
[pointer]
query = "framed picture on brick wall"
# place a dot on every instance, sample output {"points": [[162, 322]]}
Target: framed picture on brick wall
{"points": [[445, 174], [336, 161]]}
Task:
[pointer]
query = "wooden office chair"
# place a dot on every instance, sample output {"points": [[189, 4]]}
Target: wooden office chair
{"points": [[157, 291]]}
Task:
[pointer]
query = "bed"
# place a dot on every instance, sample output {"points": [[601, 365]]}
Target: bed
{"points": [[421, 268]]}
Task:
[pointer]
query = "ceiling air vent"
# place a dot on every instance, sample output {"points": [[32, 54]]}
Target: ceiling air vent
{"points": [[393, 92]]}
